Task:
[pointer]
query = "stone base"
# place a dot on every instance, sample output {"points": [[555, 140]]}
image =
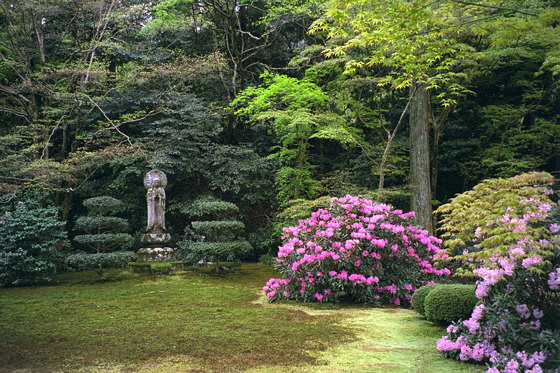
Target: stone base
{"points": [[155, 238], [155, 254]]}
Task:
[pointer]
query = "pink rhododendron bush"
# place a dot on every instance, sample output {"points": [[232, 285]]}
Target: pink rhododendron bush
{"points": [[514, 251], [356, 250]]}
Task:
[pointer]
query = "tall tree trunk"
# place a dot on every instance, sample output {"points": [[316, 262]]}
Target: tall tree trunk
{"points": [[421, 195]]}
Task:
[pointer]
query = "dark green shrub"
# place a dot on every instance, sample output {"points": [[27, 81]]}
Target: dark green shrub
{"points": [[419, 297], [84, 262], [103, 233], [450, 302], [31, 239], [215, 240]]}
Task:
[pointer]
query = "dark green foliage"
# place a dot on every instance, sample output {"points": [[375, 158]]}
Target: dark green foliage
{"points": [[213, 240], [105, 241], [450, 302], [102, 205], [214, 208], [103, 233], [84, 262], [103, 223], [224, 251], [419, 297], [31, 239], [219, 230]]}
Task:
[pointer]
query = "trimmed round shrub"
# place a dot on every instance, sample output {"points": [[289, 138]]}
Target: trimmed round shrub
{"points": [[84, 262], [103, 233], [356, 251], [101, 223], [213, 241], [102, 205], [450, 302], [419, 296]]}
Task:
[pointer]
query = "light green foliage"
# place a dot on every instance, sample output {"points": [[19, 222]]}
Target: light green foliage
{"points": [[471, 225], [446, 303], [419, 297], [412, 37], [299, 112], [288, 10]]}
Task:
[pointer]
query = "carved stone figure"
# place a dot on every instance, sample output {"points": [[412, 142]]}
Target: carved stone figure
{"points": [[155, 239], [155, 181]]}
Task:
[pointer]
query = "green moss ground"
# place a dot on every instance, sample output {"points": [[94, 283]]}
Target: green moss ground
{"points": [[197, 321]]}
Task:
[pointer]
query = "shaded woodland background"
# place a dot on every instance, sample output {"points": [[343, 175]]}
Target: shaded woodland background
{"points": [[274, 106]]}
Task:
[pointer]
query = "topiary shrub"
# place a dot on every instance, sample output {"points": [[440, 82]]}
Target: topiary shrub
{"points": [[419, 296], [31, 241], [103, 233], [84, 262], [446, 303], [213, 241], [354, 250]]}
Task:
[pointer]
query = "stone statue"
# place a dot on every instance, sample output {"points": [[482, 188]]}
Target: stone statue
{"points": [[156, 239], [155, 181]]}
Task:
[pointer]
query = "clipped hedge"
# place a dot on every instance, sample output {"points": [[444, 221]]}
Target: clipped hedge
{"points": [[84, 262], [450, 302], [419, 297]]}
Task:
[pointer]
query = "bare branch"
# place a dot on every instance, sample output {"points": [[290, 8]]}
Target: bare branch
{"points": [[115, 126], [495, 7]]}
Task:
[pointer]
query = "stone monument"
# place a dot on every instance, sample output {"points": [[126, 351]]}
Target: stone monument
{"points": [[155, 238]]}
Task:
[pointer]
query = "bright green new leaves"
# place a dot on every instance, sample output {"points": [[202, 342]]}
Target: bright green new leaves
{"points": [[299, 112], [489, 219], [414, 40]]}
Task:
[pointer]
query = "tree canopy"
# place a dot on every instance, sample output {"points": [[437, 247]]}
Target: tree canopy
{"points": [[271, 105]]}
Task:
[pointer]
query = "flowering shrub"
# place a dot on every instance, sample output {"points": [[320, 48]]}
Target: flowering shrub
{"points": [[516, 328], [357, 249]]}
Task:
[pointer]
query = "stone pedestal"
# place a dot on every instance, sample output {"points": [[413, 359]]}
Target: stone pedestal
{"points": [[156, 257]]}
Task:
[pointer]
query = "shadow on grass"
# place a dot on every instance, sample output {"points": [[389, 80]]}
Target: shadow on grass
{"points": [[192, 321]]}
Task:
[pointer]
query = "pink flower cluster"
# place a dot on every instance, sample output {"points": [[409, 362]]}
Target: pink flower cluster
{"points": [[554, 279], [358, 245], [502, 329]]}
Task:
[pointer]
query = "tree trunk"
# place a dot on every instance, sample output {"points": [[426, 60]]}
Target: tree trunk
{"points": [[420, 196]]}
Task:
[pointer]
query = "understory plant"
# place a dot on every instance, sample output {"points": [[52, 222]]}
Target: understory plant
{"points": [[514, 251], [31, 241], [355, 250]]}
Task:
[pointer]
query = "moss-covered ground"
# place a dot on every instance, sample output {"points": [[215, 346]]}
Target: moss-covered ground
{"points": [[202, 321]]}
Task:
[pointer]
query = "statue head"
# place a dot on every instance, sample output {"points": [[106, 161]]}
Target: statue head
{"points": [[155, 178]]}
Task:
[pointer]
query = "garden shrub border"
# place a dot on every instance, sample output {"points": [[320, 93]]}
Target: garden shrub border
{"points": [[446, 303]]}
